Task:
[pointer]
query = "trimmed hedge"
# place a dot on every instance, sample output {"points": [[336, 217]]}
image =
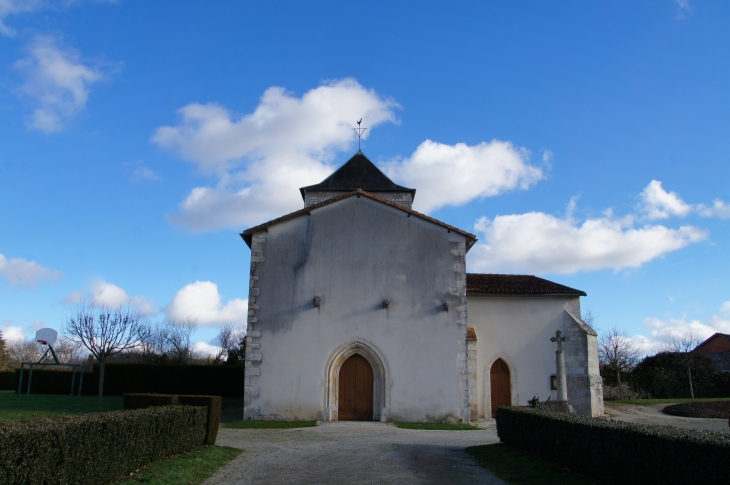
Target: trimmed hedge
{"points": [[96, 448], [7, 379], [205, 380], [213, 405], [618, 452]]}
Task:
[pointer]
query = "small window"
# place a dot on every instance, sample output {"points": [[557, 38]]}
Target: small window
{"points": [[554, 383]]}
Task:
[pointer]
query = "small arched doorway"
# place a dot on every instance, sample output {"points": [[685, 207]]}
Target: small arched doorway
{"points": [[355, 400], [499, 379]]}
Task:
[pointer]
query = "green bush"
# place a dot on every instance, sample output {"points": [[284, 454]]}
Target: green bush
{"points": [[96, 448], [213, 405], [719, 385], [618, 452], [662, 376]]}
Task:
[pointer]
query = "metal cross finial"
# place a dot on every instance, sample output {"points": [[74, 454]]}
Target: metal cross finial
{"points": [[559, 339], [359, 131]]}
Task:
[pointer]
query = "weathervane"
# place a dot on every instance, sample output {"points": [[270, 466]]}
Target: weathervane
{"points": [[359, 131]]}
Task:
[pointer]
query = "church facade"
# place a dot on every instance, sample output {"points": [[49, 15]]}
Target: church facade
{"points": [[361, 309]]}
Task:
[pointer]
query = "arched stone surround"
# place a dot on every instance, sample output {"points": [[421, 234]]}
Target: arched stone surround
{"points": [[381, 379], [488, 382]]}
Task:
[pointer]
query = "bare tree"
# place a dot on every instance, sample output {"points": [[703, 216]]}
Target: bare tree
{"points": [[617, 353], [229, 340], [22, 351], [153, 343], [4, 357], [104, 332], [178, 334], [682, 347]]}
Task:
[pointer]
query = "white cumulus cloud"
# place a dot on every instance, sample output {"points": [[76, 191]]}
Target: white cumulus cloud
{"points": [[456, 174], [536, 242], [262, 158], [57, 80], [657, 203], [105, 294], [202, 302], [12, 333], [663, 332], [142, 173], [205, 349], [23, 272]]}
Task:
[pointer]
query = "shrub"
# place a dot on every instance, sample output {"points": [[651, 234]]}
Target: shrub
{"points": [[618, 452], [663, 376], [96, 448], [213, 405]]}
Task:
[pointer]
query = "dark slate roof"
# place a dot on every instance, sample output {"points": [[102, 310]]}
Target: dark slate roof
{"points": [[507, 284], [357, 173], [247, 235]]}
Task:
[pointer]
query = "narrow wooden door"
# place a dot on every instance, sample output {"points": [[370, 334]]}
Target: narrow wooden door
{"points": [[500, 385], [356, 390]]}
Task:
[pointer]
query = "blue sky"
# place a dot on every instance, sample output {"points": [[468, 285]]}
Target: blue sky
{"points": [[585, 142]]}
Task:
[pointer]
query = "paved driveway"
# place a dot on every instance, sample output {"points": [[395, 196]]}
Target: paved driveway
{"points": [[350, 452], [653, 414]]}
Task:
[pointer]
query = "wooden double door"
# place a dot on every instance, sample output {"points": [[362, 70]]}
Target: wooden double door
{"points": [[355, 390]]}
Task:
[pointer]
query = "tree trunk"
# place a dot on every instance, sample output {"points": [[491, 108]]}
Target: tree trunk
{"points": [[691, 389], [620, 387], [101, 383]]}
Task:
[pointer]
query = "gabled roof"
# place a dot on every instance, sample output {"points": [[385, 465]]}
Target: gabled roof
{"points": [[507, 284], [248, 233], [710, 339], [357, 173]]}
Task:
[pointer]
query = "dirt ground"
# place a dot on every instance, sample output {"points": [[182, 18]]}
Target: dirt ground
{"points": [[633, 413], [351, 452]]}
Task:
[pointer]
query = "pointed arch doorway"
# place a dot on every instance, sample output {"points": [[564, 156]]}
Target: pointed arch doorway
{"points": [[500, 385], [355, 396]]}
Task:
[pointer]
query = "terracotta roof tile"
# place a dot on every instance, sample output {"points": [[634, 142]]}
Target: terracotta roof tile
{"points": [[504, 284]]}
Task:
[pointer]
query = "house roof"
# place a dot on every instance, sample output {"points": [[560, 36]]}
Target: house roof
{"points": [[357, 173], [248, 233], [506, 284], [711, 339]]}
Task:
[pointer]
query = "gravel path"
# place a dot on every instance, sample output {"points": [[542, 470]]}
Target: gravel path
{"points": [[350, 452], [633, 413]]}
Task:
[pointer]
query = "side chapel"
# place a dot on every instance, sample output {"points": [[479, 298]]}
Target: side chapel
{"points": [[361, 308]]}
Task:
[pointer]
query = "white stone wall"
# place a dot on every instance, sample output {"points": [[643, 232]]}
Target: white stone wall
{"points": [[403, 199], [353, 255], [518, 330]]}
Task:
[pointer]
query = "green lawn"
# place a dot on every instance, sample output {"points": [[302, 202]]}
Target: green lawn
{"points": [[251, 424], [437, 426], [518, 468], [190, 468], [50, 405], [650, 402]]}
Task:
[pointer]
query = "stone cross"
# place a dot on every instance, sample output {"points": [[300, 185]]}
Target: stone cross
{"points": [[560, 366]]}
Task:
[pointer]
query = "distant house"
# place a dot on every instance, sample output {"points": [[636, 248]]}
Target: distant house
{"points": [[717, 349]]}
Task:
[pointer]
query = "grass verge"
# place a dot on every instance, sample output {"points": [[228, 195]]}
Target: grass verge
{"points": [[437, 426], [190, 468], [251, 424], [650, 402], [518, 468], [51, 405]]}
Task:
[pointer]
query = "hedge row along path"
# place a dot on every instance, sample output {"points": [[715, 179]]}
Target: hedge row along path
{"points": [[633, 413], [352, 452]]}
